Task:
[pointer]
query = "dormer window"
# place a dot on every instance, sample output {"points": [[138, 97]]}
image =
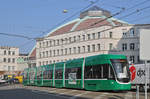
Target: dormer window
{"points": [[132, 32]]}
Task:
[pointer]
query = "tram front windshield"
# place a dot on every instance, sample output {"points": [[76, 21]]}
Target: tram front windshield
{"points": [[122, 69]]}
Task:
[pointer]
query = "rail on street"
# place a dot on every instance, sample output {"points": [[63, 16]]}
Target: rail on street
{"points": [[18, 91]]}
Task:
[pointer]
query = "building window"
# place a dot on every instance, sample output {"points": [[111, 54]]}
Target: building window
{"points": [[46, 62], [66, 40], [99, 35], [58, 52], [9, 60], [88, 36], [13, 53], [83, 37], [54, 52], [138, 59], [43, 63], [93, 35], [4, 60], [88, 47], [78, 49], [62, 41], [13, 60], [13, 68], [8, 68], [93, 47], [50, 53], [54, 42], [110, 34], [40, 55], [74, 50], [62, 52], [74, 38], [40, 45], [69, 39], [132, 60], [132, 32], [124, 32], [50, 42], [65, 51], [83, 49], [47, 43], [46, 53], [43, 54], [4, 52], [98, 47], [110, 46], [9, 52], [124, 46], [78, 37], [69, 50], [57, 42], [39, 63], [43, 44], [132, 46]]}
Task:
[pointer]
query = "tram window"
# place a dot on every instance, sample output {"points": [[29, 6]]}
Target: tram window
{"points": [[44, 74], [39, 74], [25, 76], [98, 72], [88, 72], [50, 73], [105, 71], [58, 74], [47, 74], [76, 70], [111, 73], [67, 71]]}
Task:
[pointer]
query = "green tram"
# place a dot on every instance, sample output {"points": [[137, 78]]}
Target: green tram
{"points": [[100, 72]]}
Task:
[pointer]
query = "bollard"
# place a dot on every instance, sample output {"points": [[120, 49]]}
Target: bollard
{"points": [[137, 92]]}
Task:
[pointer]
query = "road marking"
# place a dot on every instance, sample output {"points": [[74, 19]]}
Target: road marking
{"points": [[66, 92], [100, 96], [128, 95], [75, 96]]}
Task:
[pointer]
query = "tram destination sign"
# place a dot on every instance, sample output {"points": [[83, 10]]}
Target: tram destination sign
{"points": [[144, 44]]}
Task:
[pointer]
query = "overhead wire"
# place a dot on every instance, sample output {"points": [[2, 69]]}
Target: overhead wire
{"points": [[92, 3], [16, 35], [136, 11], [29, 38], [123, 9], [139, 19], [72, 16]]}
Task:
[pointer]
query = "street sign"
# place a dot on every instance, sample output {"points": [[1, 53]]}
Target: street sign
{"points": [[144, 44], [144, 51]]}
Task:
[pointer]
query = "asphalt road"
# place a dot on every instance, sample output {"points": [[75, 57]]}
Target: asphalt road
{"points": [[32, 92], [29, 94]]}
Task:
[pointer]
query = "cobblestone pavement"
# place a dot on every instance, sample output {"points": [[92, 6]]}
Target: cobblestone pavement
{"points": [[62, 93]]}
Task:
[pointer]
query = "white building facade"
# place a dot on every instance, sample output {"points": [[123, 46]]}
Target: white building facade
{"points": [[89, 35], [22, 62], [8, 56]]}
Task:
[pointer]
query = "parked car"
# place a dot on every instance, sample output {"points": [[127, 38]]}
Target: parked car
{"points": [[2, 81]]}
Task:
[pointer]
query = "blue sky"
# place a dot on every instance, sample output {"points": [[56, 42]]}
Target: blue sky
{"points": [[34, 18]]}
